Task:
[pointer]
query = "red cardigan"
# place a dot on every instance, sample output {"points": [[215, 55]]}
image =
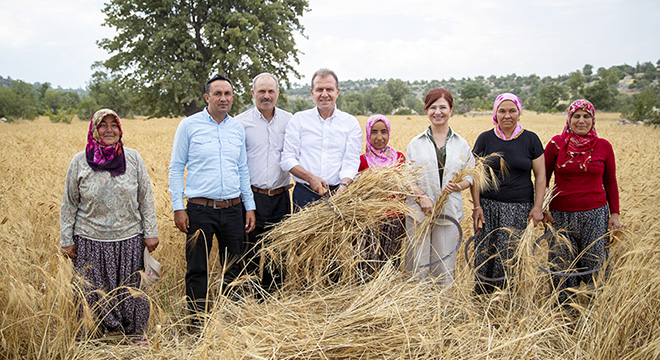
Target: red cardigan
{"points": [[579, 190], [400, 158]]}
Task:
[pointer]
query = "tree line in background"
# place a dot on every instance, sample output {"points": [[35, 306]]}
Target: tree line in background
{"points": [[631, 90], [162, 53]]}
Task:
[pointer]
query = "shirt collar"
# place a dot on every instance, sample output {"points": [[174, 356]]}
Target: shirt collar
{"points": [[334, 112], [430, 135], [210, 118], [261, 116]]}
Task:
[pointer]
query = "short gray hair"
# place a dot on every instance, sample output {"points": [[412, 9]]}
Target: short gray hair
{"points": [[323, 73], [254, 81]]}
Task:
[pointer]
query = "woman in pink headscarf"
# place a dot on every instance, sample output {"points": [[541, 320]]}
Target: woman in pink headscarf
{"points": [[107, 219], [378, 153], [586, 202], [384, 245], [505, 211]]}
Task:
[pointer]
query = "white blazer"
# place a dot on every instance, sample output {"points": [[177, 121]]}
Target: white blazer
{"points": [[421, 153]]}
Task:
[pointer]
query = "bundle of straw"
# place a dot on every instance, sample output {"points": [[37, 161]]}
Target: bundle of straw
{"points": [[483, 177], [317, 245]]}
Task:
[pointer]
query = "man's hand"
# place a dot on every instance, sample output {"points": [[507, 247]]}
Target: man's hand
{"points": [[181, 220], [249, 221], [318, 185]]}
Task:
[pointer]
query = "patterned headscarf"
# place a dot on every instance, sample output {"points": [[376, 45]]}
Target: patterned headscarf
{"points": [[375, 157], [578, 147], [101, 157], [496, 105]]}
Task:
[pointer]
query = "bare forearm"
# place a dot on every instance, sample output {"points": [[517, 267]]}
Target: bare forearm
{"points": [[539, 190], [474, 192], [300, 172]]}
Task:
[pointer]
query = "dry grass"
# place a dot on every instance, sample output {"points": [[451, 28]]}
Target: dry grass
{"points": [[387, 317]]}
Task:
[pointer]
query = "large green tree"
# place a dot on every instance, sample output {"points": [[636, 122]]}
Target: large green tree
{"points": [[165, 50]]}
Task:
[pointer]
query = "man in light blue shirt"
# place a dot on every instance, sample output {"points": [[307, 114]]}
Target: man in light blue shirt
{"points": [[212, 146]]}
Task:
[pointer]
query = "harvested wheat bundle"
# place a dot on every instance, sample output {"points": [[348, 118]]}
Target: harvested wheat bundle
{"points": [[318, 244], [523, 260], [483, 178]]}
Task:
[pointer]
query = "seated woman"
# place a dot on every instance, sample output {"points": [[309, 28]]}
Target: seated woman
{"points": [[586, 202], [441, 153], [107, 218], [504, 211], [387, 242]]}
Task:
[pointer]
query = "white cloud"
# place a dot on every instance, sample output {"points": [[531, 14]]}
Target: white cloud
{"points": [[55, 41]]}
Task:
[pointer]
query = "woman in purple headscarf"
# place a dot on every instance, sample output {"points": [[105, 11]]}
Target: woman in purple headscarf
{"points": [[378, 153], [586, 202], [106, 221], [505, 211]]}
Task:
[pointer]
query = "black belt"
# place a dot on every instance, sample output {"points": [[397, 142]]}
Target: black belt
{"points": [[272, 192]]}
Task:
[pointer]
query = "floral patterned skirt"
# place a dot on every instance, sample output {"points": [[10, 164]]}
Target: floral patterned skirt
{"points": [[384, 243], [111, 267]]}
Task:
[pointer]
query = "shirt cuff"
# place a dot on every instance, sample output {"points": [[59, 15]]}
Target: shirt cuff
{"points": [[289, 164], [249, 205]]}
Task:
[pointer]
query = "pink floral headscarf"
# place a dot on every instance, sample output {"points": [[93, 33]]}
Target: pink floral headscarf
{"points": [[101, 157], [496, 105], [578, 147], [375, 157]]}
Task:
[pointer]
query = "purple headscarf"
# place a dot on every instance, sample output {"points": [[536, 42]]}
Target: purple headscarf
{"points": [[101, 157], [375, 157], [496, 105]]}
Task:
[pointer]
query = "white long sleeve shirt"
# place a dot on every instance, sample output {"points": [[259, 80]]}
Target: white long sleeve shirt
{"points": [[329, 149], [264, 141]]}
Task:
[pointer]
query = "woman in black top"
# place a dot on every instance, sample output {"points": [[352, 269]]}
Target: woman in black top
{"points": [[504, 212]]}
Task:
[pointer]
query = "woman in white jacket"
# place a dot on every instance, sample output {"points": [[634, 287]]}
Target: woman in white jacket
{"points": [[441, 153]]}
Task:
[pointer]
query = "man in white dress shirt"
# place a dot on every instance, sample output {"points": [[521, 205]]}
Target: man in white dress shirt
{"points": [[264, 137], [322, 145]]}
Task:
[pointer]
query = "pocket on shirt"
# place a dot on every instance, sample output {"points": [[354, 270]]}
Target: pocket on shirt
{"points": [[203, 146], [232, 147]]}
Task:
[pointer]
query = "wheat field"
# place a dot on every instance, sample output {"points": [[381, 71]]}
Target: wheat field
{"points": [[389, 317]]}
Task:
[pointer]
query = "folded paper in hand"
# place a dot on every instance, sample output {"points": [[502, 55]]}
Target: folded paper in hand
{"points": [[151, 272]]}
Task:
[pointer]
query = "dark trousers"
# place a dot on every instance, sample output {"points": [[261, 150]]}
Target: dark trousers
{"points": [[303, 195], [228, 227], [270, 210]]}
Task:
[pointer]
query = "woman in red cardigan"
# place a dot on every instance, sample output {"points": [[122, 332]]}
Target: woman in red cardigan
{"points": [[384, 244], [586, 202]]}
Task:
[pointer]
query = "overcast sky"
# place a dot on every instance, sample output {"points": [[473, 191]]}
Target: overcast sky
{"points": [[55, 41]]}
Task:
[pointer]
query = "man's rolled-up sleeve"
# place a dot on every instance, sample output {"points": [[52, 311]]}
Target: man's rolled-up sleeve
{"points": [[291, 149], [351, 160]]}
